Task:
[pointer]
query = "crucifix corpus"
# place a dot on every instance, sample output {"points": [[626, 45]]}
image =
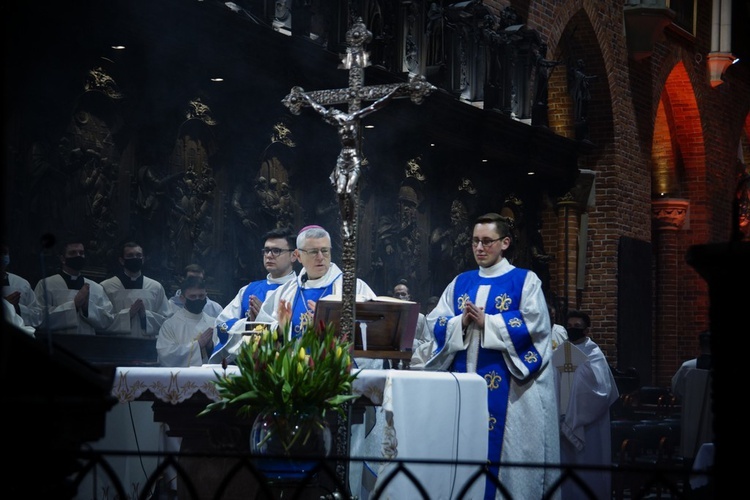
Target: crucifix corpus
{"points": [[345, 175]]}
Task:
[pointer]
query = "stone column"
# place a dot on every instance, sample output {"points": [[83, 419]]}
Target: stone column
{"points": [[568, 214], [668, 216]]}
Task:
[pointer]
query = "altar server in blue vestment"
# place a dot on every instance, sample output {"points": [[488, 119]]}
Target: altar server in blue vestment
{"points": [[278, 259], [494, 321]]}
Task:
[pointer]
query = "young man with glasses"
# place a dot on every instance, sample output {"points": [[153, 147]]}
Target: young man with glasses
{"points": [[278, 259], [493, 321], [294, 301]]}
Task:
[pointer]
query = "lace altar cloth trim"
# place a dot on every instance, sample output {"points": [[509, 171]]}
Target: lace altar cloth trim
{"points": [[175, 385], [171, 385]]}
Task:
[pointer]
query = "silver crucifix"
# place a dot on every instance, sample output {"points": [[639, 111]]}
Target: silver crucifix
{"points": [[345, 175]]}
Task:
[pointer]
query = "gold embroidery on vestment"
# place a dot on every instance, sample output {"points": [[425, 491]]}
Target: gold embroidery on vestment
{"points": [[493, 380], [462, 300], [503, 302]]}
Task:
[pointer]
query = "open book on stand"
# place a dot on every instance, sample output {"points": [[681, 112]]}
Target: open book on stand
{"points": [[384, 326]]}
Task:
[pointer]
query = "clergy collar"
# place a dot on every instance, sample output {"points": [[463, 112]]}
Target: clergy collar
{"points": [[130, 275], [324, 280], [283, 279], [70, 277], [131, 283], [501, 267]]}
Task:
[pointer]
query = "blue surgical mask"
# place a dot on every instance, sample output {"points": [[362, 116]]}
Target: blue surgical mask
{"points": [[6, 260]]}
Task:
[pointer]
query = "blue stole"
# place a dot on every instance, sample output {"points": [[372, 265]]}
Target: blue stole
{"points": [[258, 288], [504, 298], [301, 315]]}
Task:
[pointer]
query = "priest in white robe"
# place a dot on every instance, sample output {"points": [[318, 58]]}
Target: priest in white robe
{"points": [[70, 302], [187, 338], [494, 321], [140, 303], [585, 437], [18, 292]]}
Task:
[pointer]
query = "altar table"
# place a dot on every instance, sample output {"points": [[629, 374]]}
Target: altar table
{"points": [[434, 416]]}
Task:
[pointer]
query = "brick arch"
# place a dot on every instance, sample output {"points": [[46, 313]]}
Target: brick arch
{"points": [[687, 135], [678, 149], [578, 39]]}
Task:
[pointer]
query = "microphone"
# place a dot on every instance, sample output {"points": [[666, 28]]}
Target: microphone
{"points": [[303, 279]]}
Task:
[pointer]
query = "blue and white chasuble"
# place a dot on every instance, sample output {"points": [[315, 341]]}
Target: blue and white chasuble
{"points": [[512, 353]]}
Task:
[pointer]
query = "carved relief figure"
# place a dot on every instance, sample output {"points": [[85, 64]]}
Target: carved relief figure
{"points": [[399, 241], [450, 247], [192, 205], [544, 68], [580, 89]]}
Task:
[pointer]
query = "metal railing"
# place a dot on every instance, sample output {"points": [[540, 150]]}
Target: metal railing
{"points": [[187, 476]]}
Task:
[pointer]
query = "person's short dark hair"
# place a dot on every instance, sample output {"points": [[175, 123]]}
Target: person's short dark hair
{"points": [[64, 243], [130, 244], [575, 313], [192, 282], [504, 224], [194, 268], [283, 232], [402, 281]]}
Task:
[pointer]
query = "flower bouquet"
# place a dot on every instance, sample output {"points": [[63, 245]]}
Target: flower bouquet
{"points": [[288, 387]]}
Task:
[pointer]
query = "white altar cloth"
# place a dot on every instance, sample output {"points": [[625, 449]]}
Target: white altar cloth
{"points": [[434, 416]]}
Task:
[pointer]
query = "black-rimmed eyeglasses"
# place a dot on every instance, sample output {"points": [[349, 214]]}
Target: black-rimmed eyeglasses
{"points": [[486, 242], [313, 252], [275, 251]]}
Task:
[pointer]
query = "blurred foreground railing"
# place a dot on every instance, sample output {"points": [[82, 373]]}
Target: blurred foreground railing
{"points": [[97, 479]]}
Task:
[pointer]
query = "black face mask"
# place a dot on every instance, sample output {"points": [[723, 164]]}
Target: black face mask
{"points": [[133, 265], [195, 306], [76, 263], [575, 333]]}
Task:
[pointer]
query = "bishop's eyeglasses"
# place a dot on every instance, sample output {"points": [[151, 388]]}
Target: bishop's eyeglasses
{"points": [[275, 251], [486, 242], [313, 252]]}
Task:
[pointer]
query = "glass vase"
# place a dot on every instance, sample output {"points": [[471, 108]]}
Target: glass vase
{"points": [[287, 447]]}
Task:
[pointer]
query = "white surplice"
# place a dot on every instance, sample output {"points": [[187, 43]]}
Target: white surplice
{"points": [[61, 315], [30, 310], [585, 426], [154, 298], [176, 344]]}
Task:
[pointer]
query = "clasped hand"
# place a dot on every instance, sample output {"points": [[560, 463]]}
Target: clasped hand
{"points": [[473, 314]]}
